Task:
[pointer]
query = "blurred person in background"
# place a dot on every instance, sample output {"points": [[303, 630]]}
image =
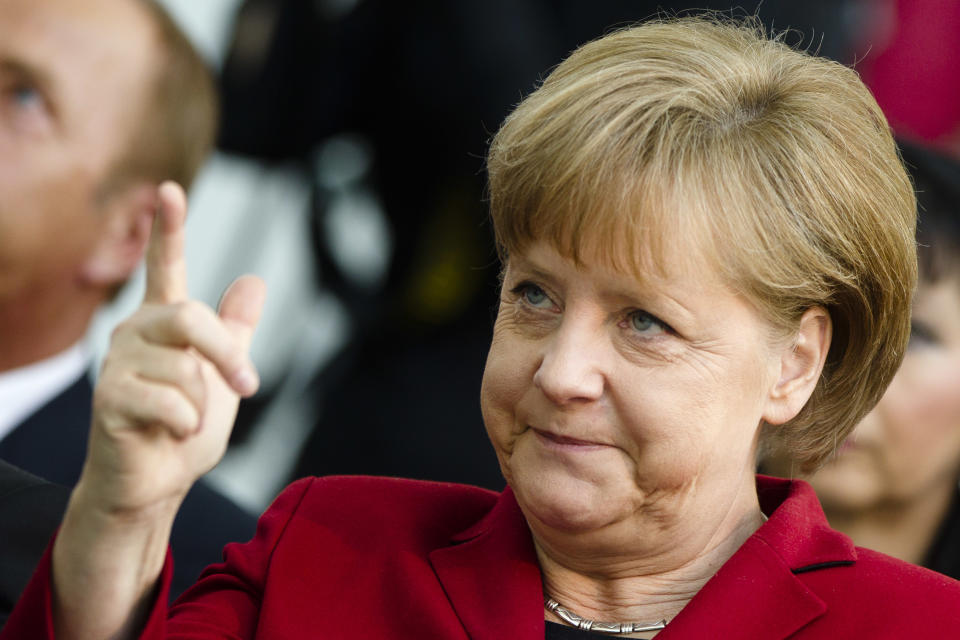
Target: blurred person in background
{"points": [[100, 100], [893, 484]]}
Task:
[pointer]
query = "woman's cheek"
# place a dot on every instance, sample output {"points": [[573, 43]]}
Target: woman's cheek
{"points": [[503, 383]]}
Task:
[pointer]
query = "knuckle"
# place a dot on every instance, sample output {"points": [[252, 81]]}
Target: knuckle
{"points": [[123, 329], [102, 398], [235, 360], [187, 368], [109, 395], [188, 317], [164, 402], [182, 318], [171, 411]]}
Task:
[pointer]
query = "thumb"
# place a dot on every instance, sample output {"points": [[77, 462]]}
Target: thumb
{"points": [[241, 305]]}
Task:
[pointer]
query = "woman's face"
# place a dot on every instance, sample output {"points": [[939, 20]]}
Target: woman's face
{"points": [[910, 443], [609, 399]]}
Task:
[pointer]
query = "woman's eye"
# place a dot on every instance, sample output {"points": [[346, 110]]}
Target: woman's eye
{"points": [[646, 324], [533, 295]]}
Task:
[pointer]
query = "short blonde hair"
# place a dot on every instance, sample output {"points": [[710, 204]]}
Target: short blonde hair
{"points": [[778, 164]]}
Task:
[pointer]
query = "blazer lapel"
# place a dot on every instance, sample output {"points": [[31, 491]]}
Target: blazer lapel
{"points": [[491, 576], [756, 593]]}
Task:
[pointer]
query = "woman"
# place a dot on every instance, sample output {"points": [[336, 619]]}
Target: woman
{"points": [[893, 484], [707, 241]]}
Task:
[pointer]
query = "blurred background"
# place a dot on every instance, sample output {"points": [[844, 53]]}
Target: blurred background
{"points": [[349, 175]]}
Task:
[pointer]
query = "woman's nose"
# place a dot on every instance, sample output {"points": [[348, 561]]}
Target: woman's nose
{"points": [[571, 367]]}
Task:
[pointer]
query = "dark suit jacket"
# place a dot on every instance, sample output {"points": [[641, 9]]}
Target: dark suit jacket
{"points": [[52, 443], [377, 558], [30, 511]]}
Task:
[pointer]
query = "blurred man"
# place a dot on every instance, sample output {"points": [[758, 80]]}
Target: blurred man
{"points": [[100, 100]]}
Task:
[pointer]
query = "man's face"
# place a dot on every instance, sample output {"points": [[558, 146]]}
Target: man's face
{"points": [[73, 78]]}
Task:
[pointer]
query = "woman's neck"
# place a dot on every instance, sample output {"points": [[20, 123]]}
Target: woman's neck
{"points": [[633, 586], [904, 529]]}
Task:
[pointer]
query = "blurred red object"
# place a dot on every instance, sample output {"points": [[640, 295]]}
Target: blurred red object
{"points": [[913, 68]]}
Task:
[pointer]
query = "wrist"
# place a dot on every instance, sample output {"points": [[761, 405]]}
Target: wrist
{"points": [[106, 565], [114, 503]]}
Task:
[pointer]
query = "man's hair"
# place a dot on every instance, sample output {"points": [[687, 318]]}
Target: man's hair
{"points": [[177, 126], [703, 135]]}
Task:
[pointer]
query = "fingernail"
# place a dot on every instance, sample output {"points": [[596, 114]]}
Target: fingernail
{"points": [[245, 382]]}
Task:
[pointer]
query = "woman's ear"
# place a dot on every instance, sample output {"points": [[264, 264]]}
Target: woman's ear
{"points": [[800, 366]]}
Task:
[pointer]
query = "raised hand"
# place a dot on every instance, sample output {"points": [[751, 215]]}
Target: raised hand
{"points": [[162, 414], [168, 392]]}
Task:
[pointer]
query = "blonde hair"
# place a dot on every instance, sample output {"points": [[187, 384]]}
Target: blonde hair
{"points": [[778, 164]]}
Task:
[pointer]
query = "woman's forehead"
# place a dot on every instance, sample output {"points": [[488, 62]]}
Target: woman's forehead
{"points": [[621, 267], [642, 250]]}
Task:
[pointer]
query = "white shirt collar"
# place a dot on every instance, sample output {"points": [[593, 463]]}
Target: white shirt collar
{"points": [[25, 390]]}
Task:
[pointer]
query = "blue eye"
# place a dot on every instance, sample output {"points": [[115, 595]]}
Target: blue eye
{"points": [[532, 294], [27, 97], [645, 323], [25, 94]]}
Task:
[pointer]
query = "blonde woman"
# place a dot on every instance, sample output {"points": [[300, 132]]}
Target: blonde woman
{"points": [[707, 241]]}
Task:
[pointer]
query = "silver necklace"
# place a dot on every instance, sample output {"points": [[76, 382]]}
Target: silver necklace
{"points": [[580, 622]]}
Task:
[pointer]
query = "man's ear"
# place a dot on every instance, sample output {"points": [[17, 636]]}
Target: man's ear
{"points": [[801, 364], [128, 218]]}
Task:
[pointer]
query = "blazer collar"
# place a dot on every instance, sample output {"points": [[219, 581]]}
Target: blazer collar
{"points": [[491, 576], [756, 593], [797, 528]]}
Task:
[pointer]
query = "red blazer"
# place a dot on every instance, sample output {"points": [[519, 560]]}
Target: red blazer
{"points": [[380, 558]]}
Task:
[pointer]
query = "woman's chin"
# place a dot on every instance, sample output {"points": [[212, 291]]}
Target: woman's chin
{"points": [[567, 503]]}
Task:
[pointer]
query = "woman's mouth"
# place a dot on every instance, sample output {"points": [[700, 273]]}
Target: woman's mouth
{"points": [[565, 442]]}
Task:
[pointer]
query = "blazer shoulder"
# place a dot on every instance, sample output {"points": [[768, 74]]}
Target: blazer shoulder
{"points": [[877, 589], [914, 583], [414, 512]]}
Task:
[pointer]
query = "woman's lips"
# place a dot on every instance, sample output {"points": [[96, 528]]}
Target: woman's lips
{"points": [[565, 441]]}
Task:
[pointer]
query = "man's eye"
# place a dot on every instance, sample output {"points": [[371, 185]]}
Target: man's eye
{"points": [[26, 97], [24, 108]]}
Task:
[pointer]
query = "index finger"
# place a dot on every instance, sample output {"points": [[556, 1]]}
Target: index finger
{"points": [[166, 266]]}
